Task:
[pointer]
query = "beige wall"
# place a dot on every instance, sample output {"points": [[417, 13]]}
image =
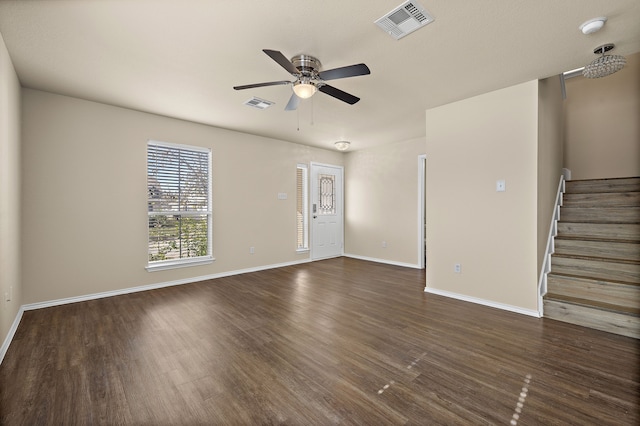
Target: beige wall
{"points": [[381, 199], [9, 192], [84, 196], [603, 124], [550, 156], [471, 144]]}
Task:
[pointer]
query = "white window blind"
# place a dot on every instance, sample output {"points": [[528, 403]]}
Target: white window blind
{"points": [[302, 207], [179, 203]]}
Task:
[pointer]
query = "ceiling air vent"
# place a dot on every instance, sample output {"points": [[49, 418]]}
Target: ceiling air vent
{"points": [[259, 103], [404, 19]]}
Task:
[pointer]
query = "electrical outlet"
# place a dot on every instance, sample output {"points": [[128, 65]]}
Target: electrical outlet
{"points": [[252, 250], [457, 268], [501, 185], [384, 244]]}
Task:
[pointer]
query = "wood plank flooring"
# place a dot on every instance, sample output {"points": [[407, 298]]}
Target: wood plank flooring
{"points": [[341, 341]]}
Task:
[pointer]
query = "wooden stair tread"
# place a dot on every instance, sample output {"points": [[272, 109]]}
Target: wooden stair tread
{"points": [[595, 269], [595, 239], [594, 304], [600, 214], [601, 240], [590, 279], [631, 184], [597, 259], [599, 231]]}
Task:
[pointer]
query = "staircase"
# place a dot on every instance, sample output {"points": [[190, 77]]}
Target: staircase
{"points": [[595, 269]]}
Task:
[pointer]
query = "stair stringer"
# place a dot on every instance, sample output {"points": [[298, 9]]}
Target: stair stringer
{"points": [[553, 231]]}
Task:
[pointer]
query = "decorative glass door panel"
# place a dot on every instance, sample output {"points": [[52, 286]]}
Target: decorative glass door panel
{"points": [[327, 196]]}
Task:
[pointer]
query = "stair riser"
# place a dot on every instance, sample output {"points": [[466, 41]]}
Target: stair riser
{"points": [[600, 215], [601, 249], [604, 185], [624, 232], [620, 199], [595, 269], [602, 270], [597, 291], [612, 322]]}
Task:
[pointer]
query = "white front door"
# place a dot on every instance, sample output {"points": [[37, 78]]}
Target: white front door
{"points": [[327, 236]]}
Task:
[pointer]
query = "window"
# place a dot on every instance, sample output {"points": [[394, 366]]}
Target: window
{"points": [[302, 208], [179, 205], [327, 196]]}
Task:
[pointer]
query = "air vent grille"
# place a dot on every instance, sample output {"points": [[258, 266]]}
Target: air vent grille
{"points": [[404, 19], [259, 103]]}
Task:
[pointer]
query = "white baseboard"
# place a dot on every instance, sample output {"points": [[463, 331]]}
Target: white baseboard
{"points": [[12, 332], [57, 302], [388, 262], [490, 303], [65, 301]]}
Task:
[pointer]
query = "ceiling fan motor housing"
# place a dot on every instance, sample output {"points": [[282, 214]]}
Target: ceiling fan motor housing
{"points": [[307, 65]]}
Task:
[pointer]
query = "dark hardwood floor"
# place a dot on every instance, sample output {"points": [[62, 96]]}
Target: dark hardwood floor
{"points": [[340, 341]]}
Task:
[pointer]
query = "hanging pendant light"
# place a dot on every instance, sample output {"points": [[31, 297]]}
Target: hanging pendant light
{"points": [[606, 64]]}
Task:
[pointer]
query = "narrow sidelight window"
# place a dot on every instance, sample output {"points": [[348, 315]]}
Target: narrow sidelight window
{"points": [[302, 207], [179, 205]]}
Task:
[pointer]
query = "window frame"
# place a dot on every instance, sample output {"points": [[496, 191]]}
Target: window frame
{"points": [[158, 265]]}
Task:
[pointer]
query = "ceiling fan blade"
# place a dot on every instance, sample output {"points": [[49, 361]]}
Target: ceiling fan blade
{"points": [[277, 56], [270, 83], [292, 105], [344, 72], [339, 94]]}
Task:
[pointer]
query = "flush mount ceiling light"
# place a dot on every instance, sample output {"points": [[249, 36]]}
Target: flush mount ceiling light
{"points": [[592, 25], [606, 64], [342, 145]]}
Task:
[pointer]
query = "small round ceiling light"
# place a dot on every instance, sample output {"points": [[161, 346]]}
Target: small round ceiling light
{"points": [[592, 25], [342, 145]]}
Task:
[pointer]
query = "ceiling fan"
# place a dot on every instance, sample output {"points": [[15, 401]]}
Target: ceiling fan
{"points": [[309, 78]]}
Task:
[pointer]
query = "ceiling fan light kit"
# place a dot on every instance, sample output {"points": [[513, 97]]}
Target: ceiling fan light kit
{"points": [[304, 89], [309, 79]]}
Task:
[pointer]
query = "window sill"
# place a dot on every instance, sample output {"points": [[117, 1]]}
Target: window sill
{"points": [[182, 263], [304, 250]]}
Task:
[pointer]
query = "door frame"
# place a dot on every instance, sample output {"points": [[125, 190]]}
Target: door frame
{"points": [[422, 207], [312, 165]]}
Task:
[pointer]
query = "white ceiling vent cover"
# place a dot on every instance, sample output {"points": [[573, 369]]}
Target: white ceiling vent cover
{"points": [[404, 19], [259, 103]]}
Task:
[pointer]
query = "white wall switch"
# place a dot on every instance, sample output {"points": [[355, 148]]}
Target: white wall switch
{"points": [[252, 250], [501, 185]]}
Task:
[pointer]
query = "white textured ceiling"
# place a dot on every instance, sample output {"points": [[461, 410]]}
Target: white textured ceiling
{"points": [[181, 58]]}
